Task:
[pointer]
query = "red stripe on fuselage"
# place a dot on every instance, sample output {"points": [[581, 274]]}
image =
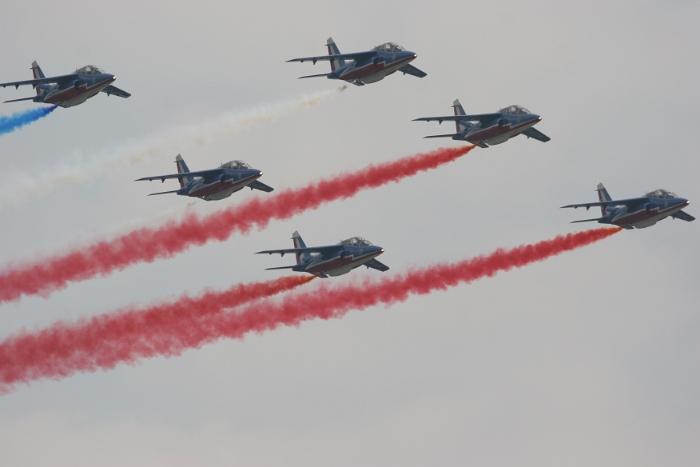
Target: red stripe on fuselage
{"points": [[371, 69], [71, 93], [216, 187], [494, 131]]}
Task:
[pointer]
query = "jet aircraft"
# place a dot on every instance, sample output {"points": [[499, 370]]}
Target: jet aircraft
{"points": [[362, 68], [490, 129], [332, 260], [637, 212], [213, 184], [69, 90]]}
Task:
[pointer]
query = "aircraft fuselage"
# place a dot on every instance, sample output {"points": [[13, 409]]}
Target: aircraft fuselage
{"points": [[645, 216], [499, 130], [339, 262], [373, 69], [75, 92], [220, 187]]}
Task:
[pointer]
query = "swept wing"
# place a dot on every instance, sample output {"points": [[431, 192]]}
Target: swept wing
{"points": [[411, 70], [54, 79], [374, 264], [536, 134], [684, 216], [317, 249], [358, 56], [632, 202], [200, 173], [483, 118], [256, 185], [116, 91]]}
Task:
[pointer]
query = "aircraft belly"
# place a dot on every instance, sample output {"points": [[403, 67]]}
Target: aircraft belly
{"points": [[338, 266], [496, 135], [71, 97], [642, 219], [372, 73], [217, 190]]}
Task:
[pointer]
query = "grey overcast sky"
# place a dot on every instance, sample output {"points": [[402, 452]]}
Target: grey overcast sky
{"points": [[589, 358]]}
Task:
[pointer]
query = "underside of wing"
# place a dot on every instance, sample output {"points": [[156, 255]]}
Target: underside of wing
{"points": [[201, 173], [411, 70], [359, 56], [34, 82], [257, 185], [632, 202], [374, 264], [684, 216], [113, 90], [450, 135], [318, 249], [536, 134], [456, 118]]}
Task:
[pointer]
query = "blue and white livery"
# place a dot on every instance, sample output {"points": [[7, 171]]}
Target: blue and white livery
{"points": [[332, 260], [637, 213], [213, 184]]}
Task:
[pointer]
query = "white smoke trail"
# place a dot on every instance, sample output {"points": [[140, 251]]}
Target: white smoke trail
{"points": [[27, 186]]}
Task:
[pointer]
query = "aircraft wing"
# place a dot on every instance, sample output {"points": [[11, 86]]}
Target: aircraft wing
{"points": [[536, 134], [317, 249], [620, 202], [116, 91], [374, 264], [256, 185], [358, 56], [200, 173], [34, 82], [411, 70], [456, 118], [684, 216]]}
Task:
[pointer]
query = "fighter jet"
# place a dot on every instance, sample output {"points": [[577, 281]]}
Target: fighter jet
{"points": [[362, 68], [332, 260], [213, 184], [69, 90], [637, 213], [490, 129]]}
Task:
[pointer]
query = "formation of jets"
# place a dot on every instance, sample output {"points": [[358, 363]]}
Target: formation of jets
{"points": [[358, 68]]}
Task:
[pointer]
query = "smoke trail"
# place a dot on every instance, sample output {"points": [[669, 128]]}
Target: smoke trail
{"points": [[19, 119], [168, 144], [46, 275], [168, 329]]}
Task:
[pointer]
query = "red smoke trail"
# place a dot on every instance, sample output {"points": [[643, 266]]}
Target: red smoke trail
{"points": [[43, 276], [171, 328], [103, 341]]}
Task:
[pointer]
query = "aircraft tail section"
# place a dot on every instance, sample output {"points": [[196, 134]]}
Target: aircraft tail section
{"points": [[299, 243], [182, 168], [603, 195], [459, 110], [333, 50], [36, 71]]}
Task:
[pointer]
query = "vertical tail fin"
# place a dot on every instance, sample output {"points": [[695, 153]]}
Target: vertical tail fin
{"points": [[299, 243], [36, 71], [333, 50], [182, 168], [603, 195], [459, 110]]}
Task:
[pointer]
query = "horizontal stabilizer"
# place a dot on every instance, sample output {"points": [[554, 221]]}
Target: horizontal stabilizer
{"points": [[317, 249], [256, 185], [163, 192], [282, 267], [353, 56], [631, 202], [451, 135], [23, 99], [314, 76], [587, 220], [483, 118], [684, 216]]}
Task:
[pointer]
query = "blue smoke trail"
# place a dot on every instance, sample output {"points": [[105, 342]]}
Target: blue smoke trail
{"points": [[19, 119]]}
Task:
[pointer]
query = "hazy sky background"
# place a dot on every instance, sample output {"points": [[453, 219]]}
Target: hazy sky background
{"points": [[589, 358]]}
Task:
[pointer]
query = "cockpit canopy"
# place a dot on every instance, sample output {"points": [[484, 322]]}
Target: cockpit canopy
{"points": [[235, 165], [515, 109], [661, 193], [389, 47], [356, 241], [90, 70]]}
